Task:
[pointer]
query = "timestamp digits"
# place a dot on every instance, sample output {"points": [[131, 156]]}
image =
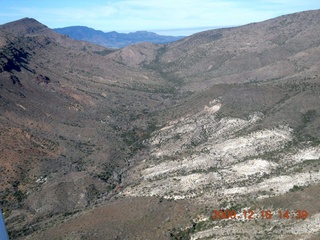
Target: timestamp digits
{"points": [[259, 214]]}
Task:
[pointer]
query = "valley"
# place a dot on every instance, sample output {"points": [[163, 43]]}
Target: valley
{"points": [[144, 142]]}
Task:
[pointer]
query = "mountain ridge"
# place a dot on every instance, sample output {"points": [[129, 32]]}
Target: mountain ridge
{"points": [[113, 39], [232, 54]]}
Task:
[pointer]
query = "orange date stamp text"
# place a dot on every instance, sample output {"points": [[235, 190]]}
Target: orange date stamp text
{"points": [[259, 214]]}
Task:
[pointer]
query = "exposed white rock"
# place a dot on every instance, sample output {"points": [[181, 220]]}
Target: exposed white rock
{"points": [[213, 109], [217, 163], [308, 154], [202, 158], [308, 226], [251, 167]]}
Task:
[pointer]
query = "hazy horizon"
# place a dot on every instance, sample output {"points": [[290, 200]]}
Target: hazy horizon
{"points": [[180, 18], [165, 32]]}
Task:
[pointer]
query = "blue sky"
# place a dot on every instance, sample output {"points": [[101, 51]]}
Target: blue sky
{"points": [[171, 17]]}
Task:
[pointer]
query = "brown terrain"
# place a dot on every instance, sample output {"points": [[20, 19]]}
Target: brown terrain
{"points": [[109, 144]]}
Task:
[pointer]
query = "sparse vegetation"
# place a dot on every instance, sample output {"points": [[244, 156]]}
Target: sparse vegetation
{"points": [[138, 136]]}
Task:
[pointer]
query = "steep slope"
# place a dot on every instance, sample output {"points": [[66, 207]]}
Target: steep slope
{"points": [[113, 39], [67, 115]]}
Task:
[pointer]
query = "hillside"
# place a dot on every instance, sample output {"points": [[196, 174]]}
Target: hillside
{"points": [[281, 48], [146, 141], [113, 39], [65, 114]]}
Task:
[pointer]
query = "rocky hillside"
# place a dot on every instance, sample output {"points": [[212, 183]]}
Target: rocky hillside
{"points": [[113, 39], [67, 114], [281, 48], [146, 141]]}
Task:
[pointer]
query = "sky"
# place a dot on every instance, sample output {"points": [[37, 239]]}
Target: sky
{"points": [[166, 17]]}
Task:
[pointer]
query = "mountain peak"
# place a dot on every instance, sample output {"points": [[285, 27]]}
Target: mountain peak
{"points": [[24, 26]]}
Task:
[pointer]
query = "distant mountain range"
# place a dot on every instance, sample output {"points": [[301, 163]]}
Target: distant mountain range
{"points": [[114, 39]]}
